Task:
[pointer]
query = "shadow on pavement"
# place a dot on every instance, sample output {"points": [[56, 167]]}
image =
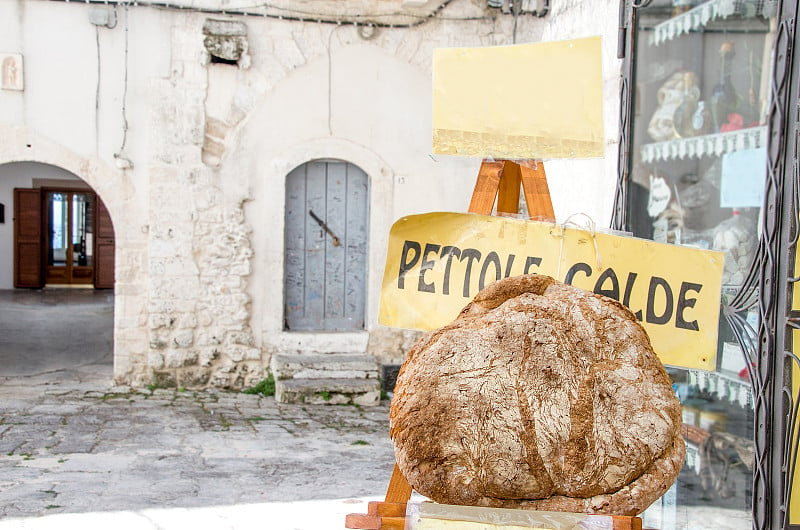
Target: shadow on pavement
{"points": [[61, 332]]}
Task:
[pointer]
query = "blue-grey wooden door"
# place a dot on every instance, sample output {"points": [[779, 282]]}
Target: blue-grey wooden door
{"points": [[325, 247]]}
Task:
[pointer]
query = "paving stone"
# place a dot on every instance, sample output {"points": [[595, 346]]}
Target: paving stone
{"points": [[11, 406], [75, 445], [96, 446], [28, 418]]}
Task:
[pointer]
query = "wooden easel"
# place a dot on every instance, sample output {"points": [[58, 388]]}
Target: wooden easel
{"points": [[498, 180], [501, 180]]}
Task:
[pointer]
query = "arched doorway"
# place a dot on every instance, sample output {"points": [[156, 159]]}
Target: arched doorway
{"points": [[326, 247], [62, 232], [52, 214]]}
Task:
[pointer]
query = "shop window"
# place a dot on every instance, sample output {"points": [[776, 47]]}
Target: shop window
{"points": [[696, 171]]}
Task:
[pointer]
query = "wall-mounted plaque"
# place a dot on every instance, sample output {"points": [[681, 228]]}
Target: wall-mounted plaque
{"points": [[11, 71]]}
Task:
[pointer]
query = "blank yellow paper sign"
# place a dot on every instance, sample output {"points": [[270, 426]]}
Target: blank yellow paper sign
{"points": [[541, 100]]}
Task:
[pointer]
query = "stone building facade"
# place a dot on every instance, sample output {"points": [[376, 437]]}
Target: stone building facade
{"points": [[186, 117]]}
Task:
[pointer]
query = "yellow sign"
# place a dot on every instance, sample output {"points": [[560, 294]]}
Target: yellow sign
{"points": [[541, 100], [437, 262]]}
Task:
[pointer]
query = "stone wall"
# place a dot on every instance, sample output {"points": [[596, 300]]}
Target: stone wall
{"points": [[200, 252], [218, 109]]}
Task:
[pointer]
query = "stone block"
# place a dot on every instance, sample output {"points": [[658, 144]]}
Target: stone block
{"points": [[194, 377], [235, 354], [364, 392], [155, 360], [212, 147], [183, 338], [324, 366], [158, 320], [163, 379], [239, 337], [186, 321], [224, 27], [216, 129], [157, 343], [252, 354], [180, 358], [207, 356], [162, 306]]}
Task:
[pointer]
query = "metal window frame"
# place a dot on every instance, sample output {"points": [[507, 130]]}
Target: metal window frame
{"points": [[770, 280]]}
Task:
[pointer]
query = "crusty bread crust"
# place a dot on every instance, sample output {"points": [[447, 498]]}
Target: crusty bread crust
{"points": [[539, 395]]}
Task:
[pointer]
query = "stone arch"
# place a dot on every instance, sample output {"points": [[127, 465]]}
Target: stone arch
{"points": [[333, 147], [23, 145], [233, 111], [369, 120], [27, 146], [326, 247], [113, 187], [380, 176]]}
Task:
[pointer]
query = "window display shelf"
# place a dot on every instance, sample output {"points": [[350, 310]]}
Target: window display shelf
{"points": [[701, 87], [727, 387], [707, 145], [700, 16], [693, 457]]}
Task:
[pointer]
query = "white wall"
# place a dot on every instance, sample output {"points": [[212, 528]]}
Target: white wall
{"points": [[198, 216]]}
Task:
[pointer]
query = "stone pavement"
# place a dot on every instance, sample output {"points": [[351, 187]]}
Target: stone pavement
{"points": [[77, 452], [164, 457]]}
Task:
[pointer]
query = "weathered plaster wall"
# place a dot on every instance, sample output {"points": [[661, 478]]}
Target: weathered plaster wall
{"points": [[199, 215]]}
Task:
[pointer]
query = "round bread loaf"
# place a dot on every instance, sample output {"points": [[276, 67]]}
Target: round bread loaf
{"points": [[539, 395]]}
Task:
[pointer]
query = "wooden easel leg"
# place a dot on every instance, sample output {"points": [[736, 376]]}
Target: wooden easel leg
{"points": [[486, 187], [387, 515], [537, 192], [500, 181], [508, 194], [399, 489]]}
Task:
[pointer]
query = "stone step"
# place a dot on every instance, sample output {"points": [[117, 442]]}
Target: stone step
{"points": [[324, 366], [364, 392]]}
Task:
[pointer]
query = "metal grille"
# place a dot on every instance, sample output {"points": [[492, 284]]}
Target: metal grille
{"points": [[770, 280]]}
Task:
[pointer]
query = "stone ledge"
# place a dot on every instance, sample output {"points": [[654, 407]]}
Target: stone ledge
{"points": [[364, 392], [324, 366]]}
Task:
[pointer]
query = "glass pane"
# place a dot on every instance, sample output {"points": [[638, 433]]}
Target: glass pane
{"points": [[58, 211], [81, 229], [698, 167]]}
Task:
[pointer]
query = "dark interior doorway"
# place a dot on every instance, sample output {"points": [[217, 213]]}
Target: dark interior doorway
{"points": [[62, 237]]}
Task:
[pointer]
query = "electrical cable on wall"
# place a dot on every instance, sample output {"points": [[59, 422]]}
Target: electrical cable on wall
{"points": [[122, 161], [97, 93], [100, 17], [330, 79], [290, 16], [294, 15]]}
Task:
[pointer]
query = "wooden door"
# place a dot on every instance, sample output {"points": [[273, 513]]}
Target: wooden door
{"points": [[28, 258], [104, 248], [69, 224], [325, 247]]}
